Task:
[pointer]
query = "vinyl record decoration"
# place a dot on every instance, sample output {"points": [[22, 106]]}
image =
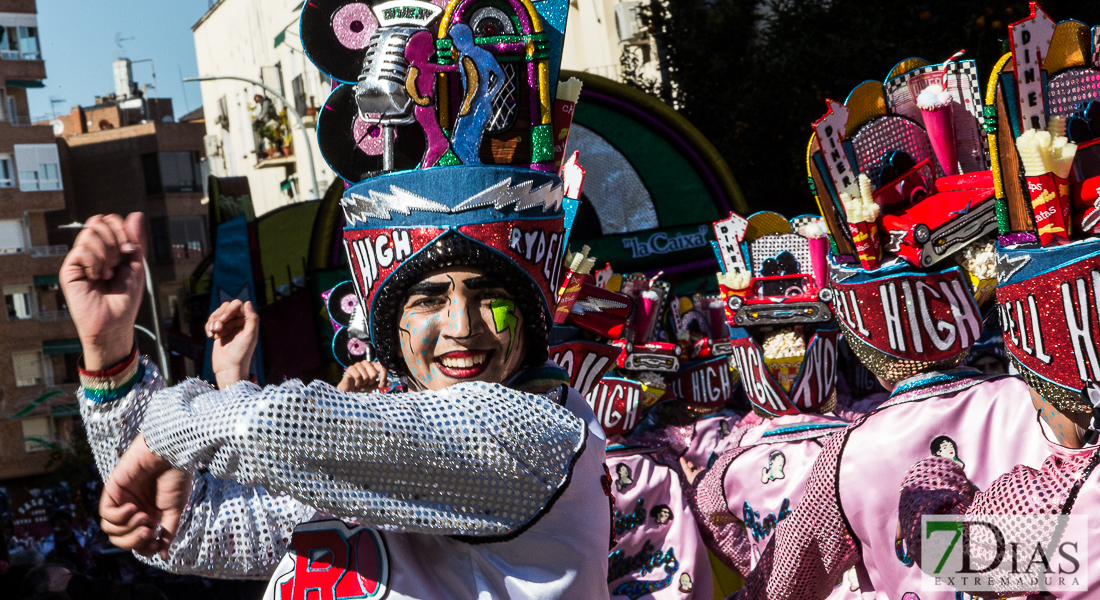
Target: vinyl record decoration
{"points": [[341, 302], [349, 346], [454, 82]]}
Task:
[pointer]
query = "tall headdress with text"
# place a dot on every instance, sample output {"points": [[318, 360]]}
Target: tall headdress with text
{"points": [[443, 123], [775, 285], [901, 174], [1044, 127]]}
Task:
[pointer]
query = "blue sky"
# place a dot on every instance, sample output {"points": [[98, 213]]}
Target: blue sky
{"points": [[78, 45]]}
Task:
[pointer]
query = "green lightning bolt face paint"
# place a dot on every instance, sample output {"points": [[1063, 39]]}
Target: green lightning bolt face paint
{"points": [[504, 316], [460, 325]]}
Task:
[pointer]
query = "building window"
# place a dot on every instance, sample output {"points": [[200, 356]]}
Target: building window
{"points": [[188, 236], [28, 368], [39, 167], [171, 173], [298, 88], [9, 43], [37, 434], [7, 172], [19, 43], [11, 236], [178, 237], [19, 302]]}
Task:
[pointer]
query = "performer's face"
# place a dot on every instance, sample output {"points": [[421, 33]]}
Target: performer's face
{"points": [[458, 325]]}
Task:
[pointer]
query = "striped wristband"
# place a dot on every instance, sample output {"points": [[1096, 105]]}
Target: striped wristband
{"points": [[113, 383]]}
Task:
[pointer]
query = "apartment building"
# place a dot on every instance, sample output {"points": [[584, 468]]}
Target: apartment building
{"points": [[115, 161], [258, 40], [601, 32], [38, 346]]}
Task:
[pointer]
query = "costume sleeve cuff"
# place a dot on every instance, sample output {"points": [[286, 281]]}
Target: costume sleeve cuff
{"points": [[111, 384]]}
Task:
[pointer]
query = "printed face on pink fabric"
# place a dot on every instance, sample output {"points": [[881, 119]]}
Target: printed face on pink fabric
{"points": [[460, 325]]}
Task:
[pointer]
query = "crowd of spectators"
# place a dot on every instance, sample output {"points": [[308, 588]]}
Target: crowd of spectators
{"points": [[76, 562]]}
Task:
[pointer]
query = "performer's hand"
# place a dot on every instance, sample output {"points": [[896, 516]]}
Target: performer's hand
{"points": [[143, 501], [690, 470], [235, 328], [103, 278], [363, 376]]}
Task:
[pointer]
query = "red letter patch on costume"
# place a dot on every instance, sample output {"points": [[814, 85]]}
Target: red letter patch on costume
{"points": [[333, 561]]}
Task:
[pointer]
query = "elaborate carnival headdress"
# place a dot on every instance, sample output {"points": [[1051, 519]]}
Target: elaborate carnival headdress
{"points": [[443, 123], [1044, 128], [775, 278], [901, 175]]}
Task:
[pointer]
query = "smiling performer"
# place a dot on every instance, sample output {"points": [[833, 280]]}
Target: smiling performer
{"points": [[485, 480], [907, 300]]}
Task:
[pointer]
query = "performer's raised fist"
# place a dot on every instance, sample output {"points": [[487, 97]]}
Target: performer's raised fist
{"points": [[143, 500], [235, 328], [364, 377], [103, 277]]}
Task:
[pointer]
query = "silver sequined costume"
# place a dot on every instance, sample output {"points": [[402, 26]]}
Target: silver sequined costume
{"points": [[475, 459]]}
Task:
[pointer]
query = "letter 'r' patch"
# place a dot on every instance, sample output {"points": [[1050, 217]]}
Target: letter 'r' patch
{"points": [[330, 560]]}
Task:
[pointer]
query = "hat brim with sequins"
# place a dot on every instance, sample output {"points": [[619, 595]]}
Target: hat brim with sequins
{"points": [[508, 221]]}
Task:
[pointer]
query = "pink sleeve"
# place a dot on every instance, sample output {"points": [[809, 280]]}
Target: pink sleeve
{"points": [[939, 486], [812, 548], [723, 532]]}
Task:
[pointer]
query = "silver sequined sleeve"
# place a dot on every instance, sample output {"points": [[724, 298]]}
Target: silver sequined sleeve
{"points": [[229, 530], [474, 459]]}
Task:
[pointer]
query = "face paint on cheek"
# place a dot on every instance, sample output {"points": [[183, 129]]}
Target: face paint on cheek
{"points": [[505, 319]]}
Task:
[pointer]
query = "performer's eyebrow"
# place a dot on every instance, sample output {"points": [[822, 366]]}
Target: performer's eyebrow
{"points": [[429, 288], [483, 282]]}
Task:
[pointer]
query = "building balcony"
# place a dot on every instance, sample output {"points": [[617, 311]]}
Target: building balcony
{"points": [[15, 202], [48, 251], [23, 72], [18, 129]]}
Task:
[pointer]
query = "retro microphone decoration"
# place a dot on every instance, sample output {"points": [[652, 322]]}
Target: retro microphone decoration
{"points": [[380, 94]]}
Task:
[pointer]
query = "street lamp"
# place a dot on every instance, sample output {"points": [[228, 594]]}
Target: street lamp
{"points": [[294, 113], [161, 356]]}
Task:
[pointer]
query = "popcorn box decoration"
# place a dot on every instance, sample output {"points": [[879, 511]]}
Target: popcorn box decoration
{"points": [[984, 289], [811, 390], [785, 370], [1050, 205]]}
